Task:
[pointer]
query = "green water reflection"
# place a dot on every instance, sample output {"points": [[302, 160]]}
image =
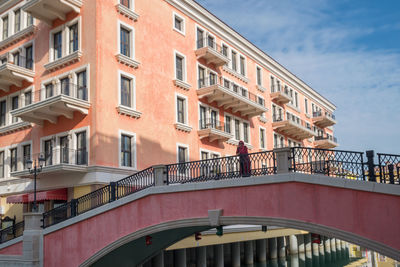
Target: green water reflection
{"points": [[309, 260]]}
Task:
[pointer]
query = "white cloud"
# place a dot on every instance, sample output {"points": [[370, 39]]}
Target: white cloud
{"points": [[307, 38]]}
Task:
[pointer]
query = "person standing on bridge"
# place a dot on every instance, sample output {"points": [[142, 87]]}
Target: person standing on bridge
{"points": [[244, 159]]}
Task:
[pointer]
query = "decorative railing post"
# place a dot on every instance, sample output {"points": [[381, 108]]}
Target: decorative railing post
{"points": [[371, 166], [74, 207], [283, 157], [113, 186], [160, 175], [391, 173]]}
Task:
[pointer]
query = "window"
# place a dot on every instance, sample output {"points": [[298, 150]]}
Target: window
{"points": [[64, 149], [245, 132], [81, 151], [202, 77], [65, 86], [179, 65], [57, 45], [73, 38], [82, 85], [49, 90], [182, 154], [242, 66], [306, 105], [17, 20], [29, 19], [180, 108], [237, 129], [14, 105], [259, 80], [203, 117], [17, 59], [278, 86], [262, 138], [211, 41], [29, 57], [1, 163], [26, 149], [272, 84], [234, 60], [296, 99], [125, 3], [5, 27], [225, 50], [28, 97], [126, 151], [125, 42], [179, 23], [3, 110], [213, 119], [228, 124], [13, 160], [48, 152], [200, 38], [126, 91]]}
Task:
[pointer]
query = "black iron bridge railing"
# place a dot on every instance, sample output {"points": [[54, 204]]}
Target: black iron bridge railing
{"points": [[11, 232], [333, 163]]}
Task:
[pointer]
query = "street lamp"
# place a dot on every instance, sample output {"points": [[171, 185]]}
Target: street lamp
{"points": [[37, 167]]}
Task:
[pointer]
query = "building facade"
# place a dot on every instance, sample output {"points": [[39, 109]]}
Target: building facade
{"points": [[101, 89]]}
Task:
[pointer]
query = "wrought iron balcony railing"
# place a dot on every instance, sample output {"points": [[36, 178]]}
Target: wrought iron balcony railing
{"points": [[11, 232]]}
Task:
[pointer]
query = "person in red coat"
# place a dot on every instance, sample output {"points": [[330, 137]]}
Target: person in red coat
{"points": [[244, 159]]}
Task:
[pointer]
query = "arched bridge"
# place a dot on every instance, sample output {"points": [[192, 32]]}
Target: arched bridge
{"points": [[324, 192]]}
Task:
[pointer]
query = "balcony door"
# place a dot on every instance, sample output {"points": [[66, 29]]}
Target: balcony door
{"points": [[203, 117], [213, 121], [64, 149], [81, 158], [48, 152]]}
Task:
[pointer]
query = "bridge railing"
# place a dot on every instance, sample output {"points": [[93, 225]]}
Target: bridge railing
{"points": [[389, 168], [335, 163], [256, 164], [11, 232], [100, 197]]}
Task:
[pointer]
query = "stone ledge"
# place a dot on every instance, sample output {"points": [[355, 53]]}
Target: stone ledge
{"points": [[123, 10], [64, 61], [129, 112], [17, 37], [183, 127], [182, 84], [130, 62]]}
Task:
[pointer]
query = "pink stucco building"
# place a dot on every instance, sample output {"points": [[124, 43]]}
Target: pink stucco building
{"points": [[101, 89]]}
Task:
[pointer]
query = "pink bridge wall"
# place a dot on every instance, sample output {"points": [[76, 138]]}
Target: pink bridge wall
{"points": [[15, 249], [371, 215]]}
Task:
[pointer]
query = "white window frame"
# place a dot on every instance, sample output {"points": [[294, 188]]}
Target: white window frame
{"points": [[21, 153], [184, 67], [261, 75], [208, 112], [65, 38], [133, 81], [9, 106], [120, 25], [186, 123], [176, 15], [245, 65], [133, 149], [23, 92]]}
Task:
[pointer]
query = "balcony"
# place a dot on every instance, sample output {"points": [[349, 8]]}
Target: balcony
{"points": [[323, 120], [53, 101], [292, 127], [230, 96], [56, 161], [214, 130], [211, 52], [15, 71], [325, 142], [49, 10], [280, 96]]}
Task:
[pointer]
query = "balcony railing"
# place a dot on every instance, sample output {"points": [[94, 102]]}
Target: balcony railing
{"points": [[14, 70], [209, 50], [323, 119], [54, 100], [214, 130], [281, 96], [230, 95], [292, 126], [326, 142]]}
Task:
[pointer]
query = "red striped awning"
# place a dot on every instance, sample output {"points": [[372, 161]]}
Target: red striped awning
{"points": [[59, 194], [17, 199]]}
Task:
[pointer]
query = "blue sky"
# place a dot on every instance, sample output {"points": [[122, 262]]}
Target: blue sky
{"points": [[347, 50]]}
